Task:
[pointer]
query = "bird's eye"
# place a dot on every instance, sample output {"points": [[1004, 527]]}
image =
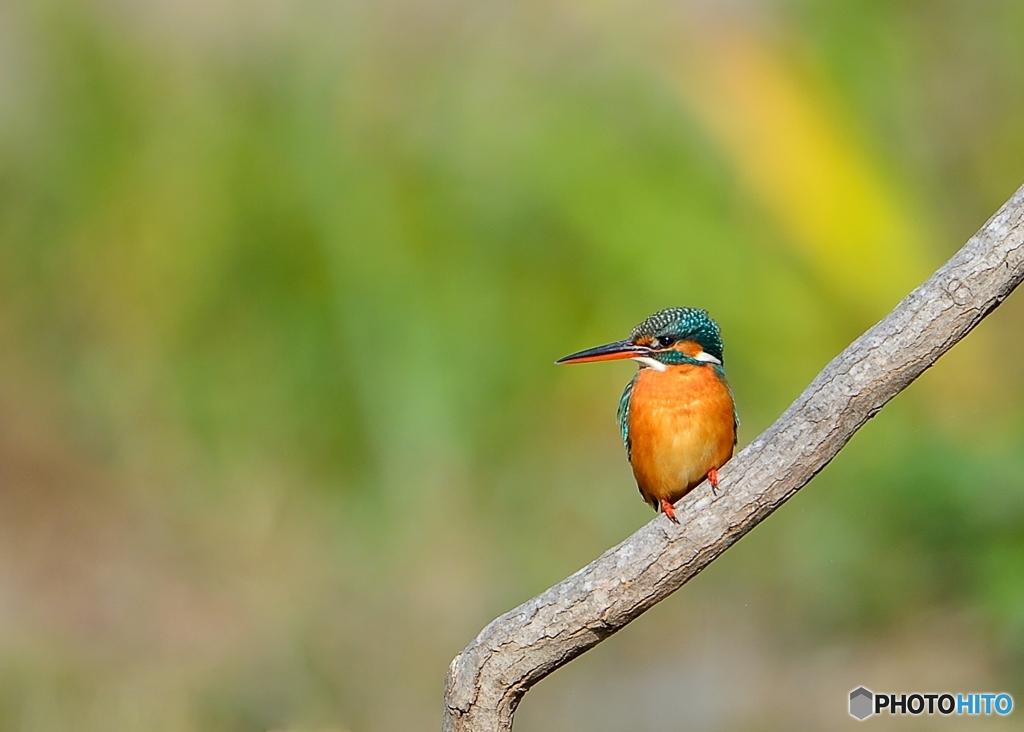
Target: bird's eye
{"points": [[665, 341]]}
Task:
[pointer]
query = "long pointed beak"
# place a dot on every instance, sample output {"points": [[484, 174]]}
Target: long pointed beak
{"points": [[608, 352]]}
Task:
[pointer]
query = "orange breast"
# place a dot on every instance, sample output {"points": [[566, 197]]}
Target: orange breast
{"points": [[681, 425]]}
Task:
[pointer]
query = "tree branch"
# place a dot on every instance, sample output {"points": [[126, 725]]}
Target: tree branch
{"points": [[488, 679]]}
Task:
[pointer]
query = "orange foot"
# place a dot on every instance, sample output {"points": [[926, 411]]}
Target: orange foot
{"points": [[669, 510], [713, 480]]}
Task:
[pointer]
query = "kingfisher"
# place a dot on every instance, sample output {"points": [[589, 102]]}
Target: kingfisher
{"points": [[677, 414]]}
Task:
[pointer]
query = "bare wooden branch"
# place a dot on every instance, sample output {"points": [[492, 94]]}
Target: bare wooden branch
{"points": [[488, 679]]}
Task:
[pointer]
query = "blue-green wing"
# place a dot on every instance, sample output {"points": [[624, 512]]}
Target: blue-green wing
{"points": [[623, 414]]}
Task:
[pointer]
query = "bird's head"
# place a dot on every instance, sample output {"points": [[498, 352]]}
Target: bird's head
{"points": [[670, 337]]}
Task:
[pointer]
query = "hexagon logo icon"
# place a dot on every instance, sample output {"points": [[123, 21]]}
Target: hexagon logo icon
{"points": [[861, 703]]}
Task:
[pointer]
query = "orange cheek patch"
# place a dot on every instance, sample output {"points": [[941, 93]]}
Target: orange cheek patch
{"points": [[688, 348]]}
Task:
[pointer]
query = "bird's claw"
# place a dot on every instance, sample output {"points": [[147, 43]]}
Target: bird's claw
{"points": [[713, 480], [669, 510]]}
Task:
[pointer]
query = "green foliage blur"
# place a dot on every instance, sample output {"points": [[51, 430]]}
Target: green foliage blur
{"points": [[281, 288]]}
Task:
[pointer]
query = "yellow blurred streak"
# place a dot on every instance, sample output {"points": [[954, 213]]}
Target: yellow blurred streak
{"points": [[798, 158], [795, 155]]}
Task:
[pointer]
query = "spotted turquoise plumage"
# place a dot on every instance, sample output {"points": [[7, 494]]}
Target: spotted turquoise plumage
{"points": [[681, 324]]}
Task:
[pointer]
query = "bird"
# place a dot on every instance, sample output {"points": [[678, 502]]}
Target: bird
{"points": [[677, 414]]}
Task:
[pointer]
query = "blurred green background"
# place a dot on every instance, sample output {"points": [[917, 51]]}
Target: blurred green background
{"points": [[281, 285]]}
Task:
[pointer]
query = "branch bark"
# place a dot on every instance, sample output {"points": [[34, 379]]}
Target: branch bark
{"points": [[487, 680]]}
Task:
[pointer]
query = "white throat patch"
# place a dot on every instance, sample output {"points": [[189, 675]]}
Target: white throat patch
{"points": [[652, 362]]}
